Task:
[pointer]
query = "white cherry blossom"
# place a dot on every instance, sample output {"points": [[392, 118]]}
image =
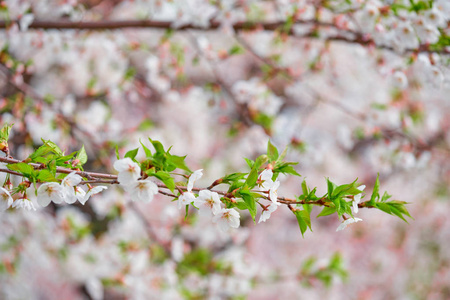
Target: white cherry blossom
{"points": [[80, 194], [50, 192], [400, 80], [185, 199], [143, 190], [357, 198], [265, 183], [273, 191], [194, 176], [226, 218], [91, 192], [5, 199], [68, 184], [348, 222], [129, 171], [265, 180], [208, 202], [23, 203], [266, 213]]}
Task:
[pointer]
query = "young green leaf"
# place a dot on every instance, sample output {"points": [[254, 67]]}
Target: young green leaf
{"points": [[330, 188], [249, 162], [375, 193], [117, 152], [46, 176], [327, 211], [250, 201], [132, 153], [164, 177], [303, 219], [147, 151], [286, 168], [82, 156], [4, 132], [21, 167], [272, 151]]}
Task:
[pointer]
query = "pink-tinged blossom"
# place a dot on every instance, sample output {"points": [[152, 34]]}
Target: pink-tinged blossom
{"points": [[143, 190], [91, 192], [208, 202], [357, 198], [23, 203], [348, 222], [265, 180], [400, 80], [194, 176], [5, 199], [226, 218], [50, 192], [68, 183], [266, 213], [129, 171], [185, 199]]}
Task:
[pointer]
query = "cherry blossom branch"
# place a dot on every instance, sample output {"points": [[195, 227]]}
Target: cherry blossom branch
{"points": [[97, 178], [358, 38]]}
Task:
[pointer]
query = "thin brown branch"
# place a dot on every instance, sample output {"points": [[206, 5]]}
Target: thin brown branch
{"points": [[358, 38], [123, 24]]}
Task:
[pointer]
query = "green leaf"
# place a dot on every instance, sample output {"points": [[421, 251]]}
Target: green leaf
{"points": [[282, 155], [39, 155], [252, 178], [330, 188], [303, 219], [236, 49], [46, 176], [21, 167], [375, 193], [158, 146], [233, 177], [132, 153], [240, 204], [54, 148], [272, 151], [385, 197], [82, 156], [346, 189], [117, 152], [304, 188], [286, 168], [394, 208], [164, 177], [249, 162], [178, 161], [249, 201], [4, 132], [326, 211], [262, 159], [147, 151]]}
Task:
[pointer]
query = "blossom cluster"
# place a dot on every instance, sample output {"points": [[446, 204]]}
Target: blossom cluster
{"points": [[67, 191], [266, 184], [129, 177], [6, 201]]}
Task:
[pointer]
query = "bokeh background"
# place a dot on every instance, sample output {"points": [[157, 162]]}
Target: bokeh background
{"points": [[347, 99]]}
